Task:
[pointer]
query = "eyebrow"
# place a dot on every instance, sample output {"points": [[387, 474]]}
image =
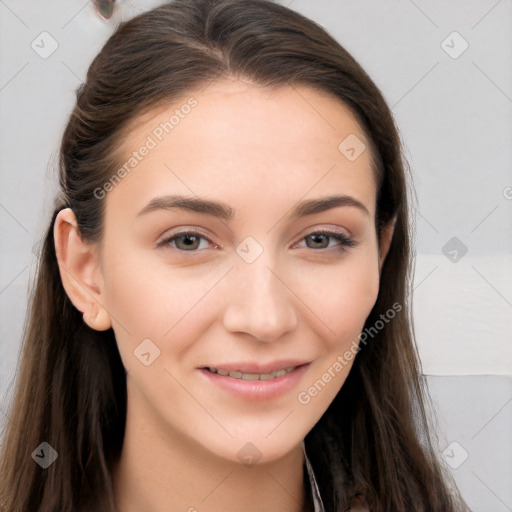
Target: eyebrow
{"points": [[225, 212]]}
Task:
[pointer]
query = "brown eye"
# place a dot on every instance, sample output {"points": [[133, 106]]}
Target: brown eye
{"points": [[319, 240], [189, 242]]}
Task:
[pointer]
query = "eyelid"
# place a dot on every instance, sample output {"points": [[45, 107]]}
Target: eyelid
{"points": [[164, 239], [327, 228]]}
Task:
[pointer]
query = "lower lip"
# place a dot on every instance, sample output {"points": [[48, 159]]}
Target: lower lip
{"points": [[256, 390]]}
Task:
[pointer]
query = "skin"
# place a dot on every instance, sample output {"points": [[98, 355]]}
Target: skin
{"points": [[261, 152]]}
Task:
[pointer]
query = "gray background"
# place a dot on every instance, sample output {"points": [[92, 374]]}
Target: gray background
{"points": [[453, 106]]}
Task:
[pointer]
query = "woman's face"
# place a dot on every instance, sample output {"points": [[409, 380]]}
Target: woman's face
{"points": [[258, 290]]}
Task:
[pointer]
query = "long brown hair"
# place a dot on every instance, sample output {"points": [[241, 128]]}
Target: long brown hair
{"points": [[375, 437]]}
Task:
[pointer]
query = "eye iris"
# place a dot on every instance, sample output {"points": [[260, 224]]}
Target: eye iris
{"points": [[316, 236], [189, 238]]}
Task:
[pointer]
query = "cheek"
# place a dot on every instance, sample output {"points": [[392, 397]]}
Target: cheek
{"points": [[360, 288], [348, 297], [132, 293], [342, 296], [148, 299]]}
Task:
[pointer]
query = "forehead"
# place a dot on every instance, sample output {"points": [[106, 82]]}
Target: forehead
{"points": [[228, 105], [237, 136]]}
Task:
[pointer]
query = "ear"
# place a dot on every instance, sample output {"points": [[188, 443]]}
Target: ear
{"points": [[80, 270], [387, 231]]}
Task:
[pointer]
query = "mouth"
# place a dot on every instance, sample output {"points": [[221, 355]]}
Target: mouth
{"points": [[276, 381], [237, 374]]}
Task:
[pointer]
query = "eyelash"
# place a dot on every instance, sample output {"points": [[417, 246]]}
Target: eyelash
{"points": [[344, 241]]}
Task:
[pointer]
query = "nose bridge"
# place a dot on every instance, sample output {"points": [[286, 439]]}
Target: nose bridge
{"points": [[260, 303]]}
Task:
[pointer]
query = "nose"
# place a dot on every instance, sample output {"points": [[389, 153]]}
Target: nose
{"points": [[260, 302]]}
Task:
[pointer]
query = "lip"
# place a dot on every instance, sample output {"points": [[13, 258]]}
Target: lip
{"points": [[251, 367], [257, 390]]}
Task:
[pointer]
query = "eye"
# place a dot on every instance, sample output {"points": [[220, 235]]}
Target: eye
{"points": [[319, 239], [186, 241], [189, 241]]}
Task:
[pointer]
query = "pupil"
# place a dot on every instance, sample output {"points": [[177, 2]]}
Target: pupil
{"points": [[188, 240]]}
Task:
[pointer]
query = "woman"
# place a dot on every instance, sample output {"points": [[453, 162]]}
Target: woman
{"points": [[221, 317]]}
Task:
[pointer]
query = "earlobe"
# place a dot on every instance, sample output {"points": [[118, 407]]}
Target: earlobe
{"points": [[97, 317], [80, 270], [386, 237]]}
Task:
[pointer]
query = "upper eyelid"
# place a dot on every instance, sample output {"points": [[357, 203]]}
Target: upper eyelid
{"points": [[185, 231]]}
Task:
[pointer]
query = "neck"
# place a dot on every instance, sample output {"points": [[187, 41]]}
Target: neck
{"points": [[161, 469]]}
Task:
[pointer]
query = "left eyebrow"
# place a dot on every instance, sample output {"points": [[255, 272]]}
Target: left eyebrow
{"points": [[224, 211], [321, 204]]}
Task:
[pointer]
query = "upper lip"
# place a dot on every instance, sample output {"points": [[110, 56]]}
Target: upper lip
{"points": [[252, 367]]}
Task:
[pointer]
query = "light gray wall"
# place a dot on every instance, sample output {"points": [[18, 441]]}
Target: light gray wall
{"points": [[445, 69]]}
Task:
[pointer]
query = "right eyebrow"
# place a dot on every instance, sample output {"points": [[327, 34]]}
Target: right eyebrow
{"points": [[205, 206]]}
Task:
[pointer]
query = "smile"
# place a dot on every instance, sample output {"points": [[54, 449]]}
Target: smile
{"points": [[255, 386], [251, 376]]}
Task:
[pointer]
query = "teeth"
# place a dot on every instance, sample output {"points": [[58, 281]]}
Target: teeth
{"points": [[249, 376], [252, 376]]}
